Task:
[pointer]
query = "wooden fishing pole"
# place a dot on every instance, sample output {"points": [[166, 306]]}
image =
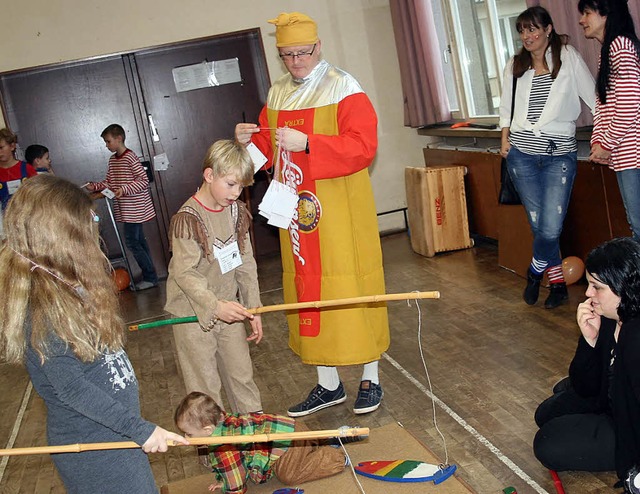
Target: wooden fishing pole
{"points": [[193, 441], [316, 304]]}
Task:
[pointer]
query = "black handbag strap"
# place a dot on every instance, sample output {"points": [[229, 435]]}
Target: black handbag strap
{"points": [[513, 97]]}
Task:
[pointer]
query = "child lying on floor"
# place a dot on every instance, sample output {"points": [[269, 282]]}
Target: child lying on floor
{"points": [[293, 463]]}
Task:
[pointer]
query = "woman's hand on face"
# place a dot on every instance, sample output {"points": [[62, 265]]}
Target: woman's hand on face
{"points": [[588, 322]]}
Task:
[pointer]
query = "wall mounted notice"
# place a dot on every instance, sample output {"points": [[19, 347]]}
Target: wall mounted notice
{"points": [[206, 74]]}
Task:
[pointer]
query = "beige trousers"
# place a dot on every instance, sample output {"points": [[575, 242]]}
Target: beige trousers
{"points": [[209, 359]]}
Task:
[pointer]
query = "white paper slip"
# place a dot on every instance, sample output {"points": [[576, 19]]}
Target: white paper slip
{"points": [[268, 200], [160, 162], [287, 201], [279, 221], [257, 157], [108, 193], [279, 204]]}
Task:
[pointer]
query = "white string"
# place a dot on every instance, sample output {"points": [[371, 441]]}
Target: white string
{"points": [[353, 471], [286, 164], [426, 371]]}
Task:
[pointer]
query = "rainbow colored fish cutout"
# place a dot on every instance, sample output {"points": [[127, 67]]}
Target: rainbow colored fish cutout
{"points": [[404, 471]]}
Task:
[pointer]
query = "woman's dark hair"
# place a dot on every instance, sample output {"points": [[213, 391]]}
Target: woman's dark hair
{"points": [[616, 263], [619, 23], [540, 18]]}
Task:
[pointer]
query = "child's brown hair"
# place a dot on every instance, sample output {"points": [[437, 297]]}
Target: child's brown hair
{"points": [[7, 136], [197, 409], [114, 130]]}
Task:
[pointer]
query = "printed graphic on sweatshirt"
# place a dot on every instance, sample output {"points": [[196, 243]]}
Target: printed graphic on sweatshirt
{"points": [[120, 370]]}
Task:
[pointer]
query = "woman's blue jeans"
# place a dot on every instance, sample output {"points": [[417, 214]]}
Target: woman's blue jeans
{"points": [[544, 184], [629, 183]]}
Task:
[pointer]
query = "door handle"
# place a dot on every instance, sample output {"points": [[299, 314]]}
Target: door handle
{"points": [[154, 131]]}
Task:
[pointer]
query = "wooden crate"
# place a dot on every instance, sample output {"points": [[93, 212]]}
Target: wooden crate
{"points": [[437, 209]]}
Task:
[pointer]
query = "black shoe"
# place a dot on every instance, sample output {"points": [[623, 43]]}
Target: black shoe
{"points": [[557, 297], [318, 399], [369, 397], [532, 289]]}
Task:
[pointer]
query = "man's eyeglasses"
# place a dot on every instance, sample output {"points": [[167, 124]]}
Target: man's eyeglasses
{"points": [[301, 54]]}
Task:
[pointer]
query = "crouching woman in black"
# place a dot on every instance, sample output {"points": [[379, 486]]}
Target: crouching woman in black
{"points": [[593, 424]]}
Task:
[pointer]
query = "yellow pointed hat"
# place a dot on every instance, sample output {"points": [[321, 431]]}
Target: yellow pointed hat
{"points": [[295, 29]]}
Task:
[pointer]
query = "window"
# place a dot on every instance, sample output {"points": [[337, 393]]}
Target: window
{"points": [[480, 37]]}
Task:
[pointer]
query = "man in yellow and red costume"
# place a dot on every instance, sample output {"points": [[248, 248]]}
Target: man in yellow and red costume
{"points": [[332, 247]]}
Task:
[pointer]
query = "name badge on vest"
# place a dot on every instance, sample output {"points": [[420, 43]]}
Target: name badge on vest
{"points": [[228, 257], [13, 186]]}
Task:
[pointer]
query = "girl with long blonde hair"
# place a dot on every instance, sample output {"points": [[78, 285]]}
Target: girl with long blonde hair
{"points": [[59, 316]]}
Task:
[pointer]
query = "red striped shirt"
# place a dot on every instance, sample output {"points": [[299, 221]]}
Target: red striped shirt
{"points": [[616, 125], [126, 172]]}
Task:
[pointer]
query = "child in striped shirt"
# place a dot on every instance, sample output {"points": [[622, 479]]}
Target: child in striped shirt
{"points": [[127, 179]]}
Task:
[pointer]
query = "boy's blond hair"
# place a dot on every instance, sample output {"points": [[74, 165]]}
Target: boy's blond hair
{"points": [[7, 136], [225, 157], [53, 276], [198, 410]]}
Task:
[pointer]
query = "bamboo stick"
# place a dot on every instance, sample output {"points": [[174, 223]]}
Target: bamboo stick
{"points": [[193, 441], [315, 304]]}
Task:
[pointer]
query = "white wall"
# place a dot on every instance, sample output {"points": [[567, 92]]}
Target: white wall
{"points": [[356, 36]]}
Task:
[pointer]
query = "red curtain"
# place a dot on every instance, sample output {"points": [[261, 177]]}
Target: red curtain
{"points": [[423, 85], [565, 17]]}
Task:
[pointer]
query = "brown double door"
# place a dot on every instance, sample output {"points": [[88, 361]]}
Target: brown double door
{"points": [[66, 107]]}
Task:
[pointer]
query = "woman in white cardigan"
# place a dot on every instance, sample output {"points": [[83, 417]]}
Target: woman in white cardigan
{"points": [[539, 142]]}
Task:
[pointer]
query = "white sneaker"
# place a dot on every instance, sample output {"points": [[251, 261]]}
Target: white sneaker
{"points": [[144, 285]]}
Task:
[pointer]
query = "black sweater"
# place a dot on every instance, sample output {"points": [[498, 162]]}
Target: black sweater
{"points": [[589, 372]]}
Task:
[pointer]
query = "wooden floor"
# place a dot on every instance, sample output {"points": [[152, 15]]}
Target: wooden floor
{"points": [[491, 360]]}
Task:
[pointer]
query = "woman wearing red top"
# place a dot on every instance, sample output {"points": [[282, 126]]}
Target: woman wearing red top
{"points": [[615, 140]]}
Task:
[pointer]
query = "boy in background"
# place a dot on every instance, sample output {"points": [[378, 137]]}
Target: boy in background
{"points": [[234, 465], [127, 179], [213, 275], [37, 156]]}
